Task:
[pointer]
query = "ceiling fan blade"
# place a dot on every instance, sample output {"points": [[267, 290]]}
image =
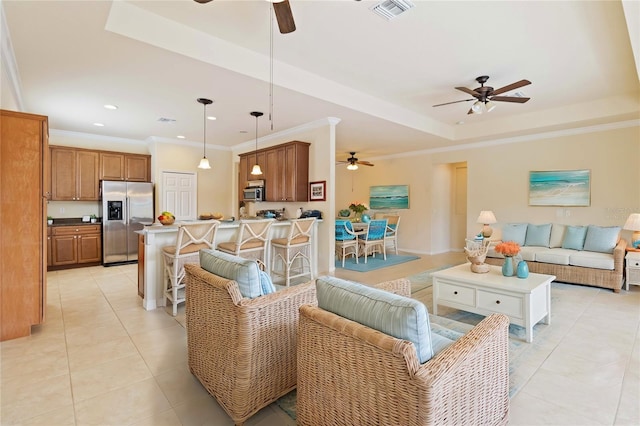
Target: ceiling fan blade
{"points": [[284, 16], [364, 163], [202, 1], [469, 91], [512, 86], [509, 99], [470, 111], [455, 102]]}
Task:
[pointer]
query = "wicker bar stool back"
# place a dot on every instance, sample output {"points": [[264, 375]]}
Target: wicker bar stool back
{"points": [[252, 241], [292, 255]]}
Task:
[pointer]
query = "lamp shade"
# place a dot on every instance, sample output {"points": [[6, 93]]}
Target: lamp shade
{"points": [[633, 224], [204, 164], [486, 217]]}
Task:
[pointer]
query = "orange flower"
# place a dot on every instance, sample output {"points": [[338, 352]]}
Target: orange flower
{"points": [[508, 248]]}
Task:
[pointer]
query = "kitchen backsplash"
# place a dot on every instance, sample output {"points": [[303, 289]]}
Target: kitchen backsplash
{"points": [[66, 209]]}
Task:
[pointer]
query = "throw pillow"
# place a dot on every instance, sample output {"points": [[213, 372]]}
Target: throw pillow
{"points": [[574, 237], [557, 235], [514, 232], [398, 316], [266, 285], [601, 239], [243, 271], [538, 235]]}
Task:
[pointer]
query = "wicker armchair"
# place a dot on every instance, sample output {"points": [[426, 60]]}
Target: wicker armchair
{"points": [[242, 350], [350, 374]]}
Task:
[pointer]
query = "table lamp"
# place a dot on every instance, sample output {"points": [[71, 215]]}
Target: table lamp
{"points": [[487, 218], [633, 224]]}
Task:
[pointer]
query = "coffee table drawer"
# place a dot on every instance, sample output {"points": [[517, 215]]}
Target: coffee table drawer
{"points": [[500, 303], [458, 294]]}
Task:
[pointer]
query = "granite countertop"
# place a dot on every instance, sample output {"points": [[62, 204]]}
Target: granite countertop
{"points": [[72, 221]]}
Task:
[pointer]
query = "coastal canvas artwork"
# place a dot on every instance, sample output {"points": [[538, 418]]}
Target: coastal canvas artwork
{"points": [[389, 197], [560, 188]]}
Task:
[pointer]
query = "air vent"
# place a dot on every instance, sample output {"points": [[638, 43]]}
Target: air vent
{"points": [[390, 9], [166, 120]]}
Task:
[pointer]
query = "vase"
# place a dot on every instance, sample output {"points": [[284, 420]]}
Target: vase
{"points": [[507, 266], [522, 269], [358, 217]]}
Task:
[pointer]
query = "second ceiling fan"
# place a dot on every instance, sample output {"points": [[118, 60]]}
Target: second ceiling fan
{"points": [[484, 95], [284, 16], [352, 162]]}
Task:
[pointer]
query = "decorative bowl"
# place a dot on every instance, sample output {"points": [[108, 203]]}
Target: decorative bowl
{"points": [[344, 213], [167, 221]]}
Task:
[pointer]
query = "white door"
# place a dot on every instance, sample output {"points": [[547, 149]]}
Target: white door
{"points": [[180, 194]]}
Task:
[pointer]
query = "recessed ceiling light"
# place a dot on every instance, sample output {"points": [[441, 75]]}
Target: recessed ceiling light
{"points": [[211, 118], [108, 106], [98, 124], [243, 131], [166, 120], [459, 123], [180, 137]]}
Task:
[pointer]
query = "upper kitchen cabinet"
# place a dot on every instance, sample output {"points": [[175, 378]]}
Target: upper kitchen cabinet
{"points": [[125, 167], [74, 174], [23, 240], [285, 170]]}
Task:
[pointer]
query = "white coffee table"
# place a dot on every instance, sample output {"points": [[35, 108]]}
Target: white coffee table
{"points": [[525, 301]]}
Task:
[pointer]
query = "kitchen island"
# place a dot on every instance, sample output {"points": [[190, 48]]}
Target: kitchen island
{"points": [[154, 237]]}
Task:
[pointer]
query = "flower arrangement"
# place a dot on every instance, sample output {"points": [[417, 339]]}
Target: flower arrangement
{"points": [[358, 207], [508, 248]]}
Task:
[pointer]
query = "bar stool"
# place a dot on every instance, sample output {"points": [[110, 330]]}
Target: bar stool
{"points": [[251, 241], [191, 238], [293, 252]]}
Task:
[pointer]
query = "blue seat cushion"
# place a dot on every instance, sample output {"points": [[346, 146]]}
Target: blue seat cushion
{"points": [[243, 271], [397, 316]]}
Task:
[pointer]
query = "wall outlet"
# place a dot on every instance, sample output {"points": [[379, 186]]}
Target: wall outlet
{"points": [[61, 209]]}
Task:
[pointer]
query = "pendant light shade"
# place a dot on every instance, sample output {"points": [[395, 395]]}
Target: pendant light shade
{"points": [[204, 163], [256, 168]]}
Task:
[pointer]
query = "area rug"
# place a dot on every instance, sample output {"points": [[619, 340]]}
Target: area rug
{"points": [[424, 279], [374, 263]]}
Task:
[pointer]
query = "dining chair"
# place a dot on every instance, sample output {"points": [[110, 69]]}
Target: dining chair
{"points": [[346, 240], [391, 235], [373, 240], [191, 238], [252, 241]]}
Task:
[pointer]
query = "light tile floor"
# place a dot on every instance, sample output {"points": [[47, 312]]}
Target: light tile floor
{"points": [[102, 359]]}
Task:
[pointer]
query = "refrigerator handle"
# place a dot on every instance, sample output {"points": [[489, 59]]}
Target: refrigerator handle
{"points": [[127, 219]]}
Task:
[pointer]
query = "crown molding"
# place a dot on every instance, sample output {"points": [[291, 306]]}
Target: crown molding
{"points": [[93, 136], [184, 142]]}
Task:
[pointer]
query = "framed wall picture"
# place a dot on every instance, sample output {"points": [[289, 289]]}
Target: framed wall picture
{"points": [[317, 191], [560, 188], [389, 197]]}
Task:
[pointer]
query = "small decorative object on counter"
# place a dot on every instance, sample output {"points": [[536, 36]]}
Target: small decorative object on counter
{"points": [[93, 218], [49, 220], [166, 218], [298, 213], [523, 269]]}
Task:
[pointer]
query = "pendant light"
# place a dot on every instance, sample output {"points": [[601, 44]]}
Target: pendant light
{"points": [[256, 168], [204, 163]]}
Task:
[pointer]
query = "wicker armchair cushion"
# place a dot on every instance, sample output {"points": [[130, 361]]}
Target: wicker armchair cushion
{"points": [[574, 237], [395, 315], [243, 271], [602, 239]]}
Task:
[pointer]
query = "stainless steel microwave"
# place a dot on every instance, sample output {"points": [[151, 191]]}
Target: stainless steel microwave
{"points": [[255, 193]]}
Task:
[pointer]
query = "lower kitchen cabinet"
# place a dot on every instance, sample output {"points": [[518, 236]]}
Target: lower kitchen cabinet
{"points": [[76, 245]]}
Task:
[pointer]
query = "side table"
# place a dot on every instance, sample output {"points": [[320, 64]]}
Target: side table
{"points": [[633, 268]]}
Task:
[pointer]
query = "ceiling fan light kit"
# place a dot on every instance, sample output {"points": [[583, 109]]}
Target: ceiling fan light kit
{"points": [[352, 162]]}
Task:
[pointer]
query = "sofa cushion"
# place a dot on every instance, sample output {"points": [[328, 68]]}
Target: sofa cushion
{"points": [[538, 235], [530, 253], [557, 235], [601, 239], [592, 259], [556, 256], [574, 237], [514, 232], [395, 315], [243, 271]]}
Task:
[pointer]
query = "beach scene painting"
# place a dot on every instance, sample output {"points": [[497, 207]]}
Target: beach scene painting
{"points": [[560, 188], [389, 197]]}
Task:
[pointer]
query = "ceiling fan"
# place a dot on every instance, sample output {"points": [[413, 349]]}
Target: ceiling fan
{"points": [[282, 8], [352, 162], [485, 95]]}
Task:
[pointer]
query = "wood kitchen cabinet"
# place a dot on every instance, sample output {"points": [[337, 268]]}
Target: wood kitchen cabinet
{"points": [[74, 174], [125, 167], [285, 171], [24, 158], [73, 245], [49, 255]]}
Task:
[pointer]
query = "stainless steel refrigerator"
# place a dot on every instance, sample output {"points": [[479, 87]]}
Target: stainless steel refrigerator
{"points": [[126, 207]]}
